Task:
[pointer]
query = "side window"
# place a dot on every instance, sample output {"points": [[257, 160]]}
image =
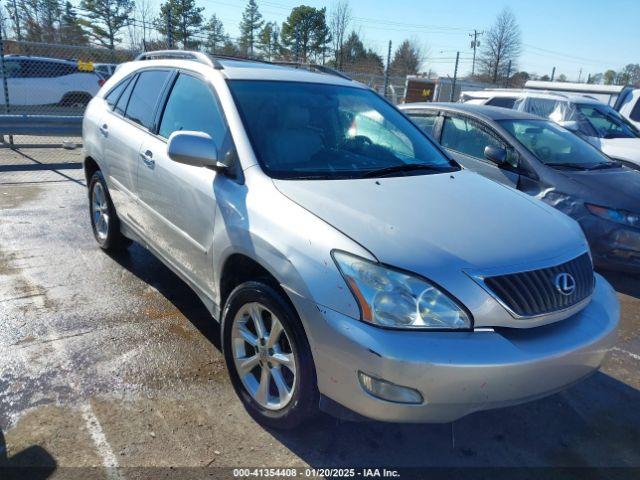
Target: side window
{"points": [[145, 94], [192, 106], [113, 96], [504, 102], [635, 113], [466, 136], [121, 106], [425, 121]]}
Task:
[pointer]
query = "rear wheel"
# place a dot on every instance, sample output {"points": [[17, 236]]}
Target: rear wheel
{"points": [[104, 221], [268, 357]]}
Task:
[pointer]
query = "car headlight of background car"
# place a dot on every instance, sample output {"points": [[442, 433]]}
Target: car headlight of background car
{"points": [[391, 298], [618, 216]]}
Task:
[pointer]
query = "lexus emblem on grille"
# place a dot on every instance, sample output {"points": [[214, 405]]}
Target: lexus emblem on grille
{"points": [[565, 283]]}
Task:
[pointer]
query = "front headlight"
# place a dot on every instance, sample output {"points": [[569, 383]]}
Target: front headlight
{"points": [[391, 298], [618, 216]]}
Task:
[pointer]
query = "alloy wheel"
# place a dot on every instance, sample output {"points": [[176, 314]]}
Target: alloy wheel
{"points": [[263, 356]]}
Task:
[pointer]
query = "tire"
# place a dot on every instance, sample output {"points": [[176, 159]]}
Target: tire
{"points": [[284, 405], [104, 220]]}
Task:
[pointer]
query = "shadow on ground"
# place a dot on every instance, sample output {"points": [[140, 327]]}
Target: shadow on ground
{"points": [[623, 283], [593, 424], [34, 463]]}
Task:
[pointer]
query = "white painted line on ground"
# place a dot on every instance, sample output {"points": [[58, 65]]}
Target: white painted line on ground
{"points": [[109, 460], [622, 350]]}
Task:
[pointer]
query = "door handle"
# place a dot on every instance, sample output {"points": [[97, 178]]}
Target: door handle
{"points": [[147, 158], [104, 130]]}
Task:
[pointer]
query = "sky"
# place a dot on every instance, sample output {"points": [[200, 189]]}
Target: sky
{"points": [[592, 35]]}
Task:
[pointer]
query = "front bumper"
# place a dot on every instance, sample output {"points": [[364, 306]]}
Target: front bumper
{"points": [[458, 373]]}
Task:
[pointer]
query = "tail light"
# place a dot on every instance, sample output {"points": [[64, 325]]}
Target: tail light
{"points": [[100, 82]]}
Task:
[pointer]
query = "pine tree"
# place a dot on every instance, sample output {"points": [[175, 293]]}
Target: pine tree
{"points": [[186, 21], [269, 40], [250, 26], [105, 18], [215, 34], [71, 32], [305, 32]]}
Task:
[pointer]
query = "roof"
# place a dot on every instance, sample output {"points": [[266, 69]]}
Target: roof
{"points": [[246, 69], [518, 93], [30, 57], [575, 87], [485, 111]]}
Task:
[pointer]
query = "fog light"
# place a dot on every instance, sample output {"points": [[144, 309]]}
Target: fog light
{"points": [[388, 391]]}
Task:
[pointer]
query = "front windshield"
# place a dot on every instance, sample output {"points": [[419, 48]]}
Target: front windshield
{"points": [[555, 146], [304, 130], [606, 121]]}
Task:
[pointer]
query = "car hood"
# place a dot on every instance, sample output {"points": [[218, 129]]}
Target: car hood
{"points": [[622, 148], [433, 223], [616, 188]]}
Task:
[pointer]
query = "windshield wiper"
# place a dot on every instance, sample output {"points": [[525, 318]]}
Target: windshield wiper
{"points": [[568, 166], [603, 165], [405, 167]]}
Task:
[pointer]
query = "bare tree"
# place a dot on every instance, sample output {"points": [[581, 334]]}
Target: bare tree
{"points": [[502, 45], [339, 20]]}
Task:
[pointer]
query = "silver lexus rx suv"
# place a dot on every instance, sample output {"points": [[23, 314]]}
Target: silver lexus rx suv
{"points": [[351, 264]]}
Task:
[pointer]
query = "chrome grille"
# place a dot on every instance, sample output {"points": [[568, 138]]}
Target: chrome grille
{"points": [[532, 293]]}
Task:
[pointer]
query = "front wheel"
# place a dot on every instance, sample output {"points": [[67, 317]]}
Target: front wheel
{"points": [[268, 357]]}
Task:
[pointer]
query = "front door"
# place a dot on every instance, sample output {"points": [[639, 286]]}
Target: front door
{"points": [[465, 139], [177, 201]]}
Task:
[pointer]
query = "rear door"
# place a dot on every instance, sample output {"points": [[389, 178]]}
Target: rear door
{"points": [[465, 139], [124, 129], [178, 200]]}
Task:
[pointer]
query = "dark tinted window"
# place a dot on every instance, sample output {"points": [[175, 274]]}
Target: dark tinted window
{"points": [[424, 121], [192, 106], [635, 113], [12, 68], [113, 96], [46, 69], [146, 92], [504, 102], [121, 106]]}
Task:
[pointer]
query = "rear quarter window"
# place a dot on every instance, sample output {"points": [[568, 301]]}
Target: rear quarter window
{"points": [[144, 97], [635, 113], [504, 102]]}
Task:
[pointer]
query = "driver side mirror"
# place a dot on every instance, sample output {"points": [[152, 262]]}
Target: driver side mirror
{"points": [[495, 154], [197, 149]]}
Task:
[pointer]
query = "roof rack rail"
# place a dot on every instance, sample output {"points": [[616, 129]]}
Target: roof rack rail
{"points": [[313, 67], [180, 55]]}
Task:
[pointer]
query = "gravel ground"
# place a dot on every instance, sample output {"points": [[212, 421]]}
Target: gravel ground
{"points": [[111, 361]]}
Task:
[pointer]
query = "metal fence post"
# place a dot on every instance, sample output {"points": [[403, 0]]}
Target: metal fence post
{"points": [[169, 26], [5, 87], [386, 72]]}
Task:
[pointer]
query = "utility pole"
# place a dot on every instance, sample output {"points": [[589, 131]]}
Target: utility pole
{"points": [[580, 76], [386, 72], [553, 73], [169, 26], [474, 44], [455, 76], [506, 81]]}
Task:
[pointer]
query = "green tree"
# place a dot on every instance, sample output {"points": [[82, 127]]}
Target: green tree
{"points": [[609, 77], [305, 32], [269, 40], [186, 21], [356, 58], [561, 78], [103, 19], [250, 26], [407, 59], [215, 34], [37, 19], [71, 32]]}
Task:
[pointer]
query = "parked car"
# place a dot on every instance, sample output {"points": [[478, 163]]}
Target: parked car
{"points": [[366, 274], [49, 81], [629, 106], [105, 69], [598, 123], [542, 159]]}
